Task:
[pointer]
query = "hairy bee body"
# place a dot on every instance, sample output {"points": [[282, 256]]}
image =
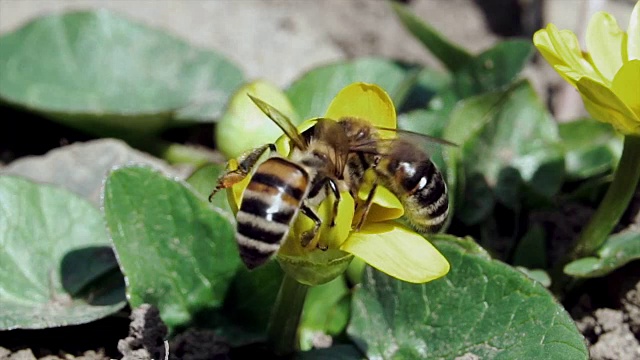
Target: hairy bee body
{"points": [[401, 166], [280, 188], [409, 173], [328, 158], [270, 203]]}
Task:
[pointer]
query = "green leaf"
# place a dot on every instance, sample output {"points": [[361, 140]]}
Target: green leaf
{"points": [[421, 121], [326, 311], [249, 302], [592, 148], [482, 308], [204, 180], [312, 93], [492, 69], [618, 250], [175, 250], [55, 257], [451, 55], [478, 200], [531, 251], [423, 90], [538, 275], [502, 131], [106, 74]]}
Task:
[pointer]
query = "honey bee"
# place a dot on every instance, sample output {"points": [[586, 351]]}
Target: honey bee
{"points": [[330, 157], [282, 187], [403, 167]]}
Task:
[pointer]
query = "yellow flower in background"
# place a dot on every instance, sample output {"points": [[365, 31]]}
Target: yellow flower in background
{"points": [[608, 75], [381, 242]]}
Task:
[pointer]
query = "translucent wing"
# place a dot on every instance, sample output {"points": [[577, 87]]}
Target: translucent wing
{"points": [[282, 121], [378, 145], [418, 137]]}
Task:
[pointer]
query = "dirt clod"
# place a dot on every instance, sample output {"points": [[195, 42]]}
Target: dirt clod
{"points": [[25, 354], [196, 344], [611, 326], [146, 335], [631, 305]]}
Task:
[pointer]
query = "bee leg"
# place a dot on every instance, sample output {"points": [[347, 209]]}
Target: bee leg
{"points": [[308, 236], [367, 206], [372, 192], [336, 203], [246, 162]]}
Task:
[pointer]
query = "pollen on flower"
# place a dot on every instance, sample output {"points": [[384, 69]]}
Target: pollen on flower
{"points": [[313, 251]]}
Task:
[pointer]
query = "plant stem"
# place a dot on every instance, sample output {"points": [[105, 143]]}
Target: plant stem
{"points": [[283, 324], [615, 202]]}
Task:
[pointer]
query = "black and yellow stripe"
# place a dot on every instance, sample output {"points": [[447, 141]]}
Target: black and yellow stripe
{"points": [[417, 182], [269, 205]]}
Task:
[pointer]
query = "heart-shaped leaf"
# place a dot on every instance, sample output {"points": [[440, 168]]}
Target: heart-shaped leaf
{"points": [[481, 309], [175, 250], [105, 74], [82, 166], [55, 257], [493, 68], [618, 250], [498, 133], [313, 92]]}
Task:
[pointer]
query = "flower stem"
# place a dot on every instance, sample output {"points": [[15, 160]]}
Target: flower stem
{"points": [[283, 325], [615, 202]]}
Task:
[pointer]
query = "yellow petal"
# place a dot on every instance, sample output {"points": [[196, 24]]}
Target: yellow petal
{"points": [[542, 41], [364, 101], [386, 205], [397, 251], [562, 48], [568, 74], [603, 104], [633, 34], [605, 44], [626, 85]]}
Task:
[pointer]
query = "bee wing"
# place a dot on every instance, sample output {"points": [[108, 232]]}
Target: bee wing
{"points": [[379, 146], [417, 137], [282, 121]]}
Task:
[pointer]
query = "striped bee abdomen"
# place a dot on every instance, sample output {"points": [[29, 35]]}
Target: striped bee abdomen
{"points": [[430, 200], [419, 185], [269, 205]]}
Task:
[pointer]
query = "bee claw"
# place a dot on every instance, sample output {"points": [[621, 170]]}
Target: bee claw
{"points": [[306, 238]]}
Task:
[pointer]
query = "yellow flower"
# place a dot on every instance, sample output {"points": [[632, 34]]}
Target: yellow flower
{"points": [[608, 76], [381, 242]]}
